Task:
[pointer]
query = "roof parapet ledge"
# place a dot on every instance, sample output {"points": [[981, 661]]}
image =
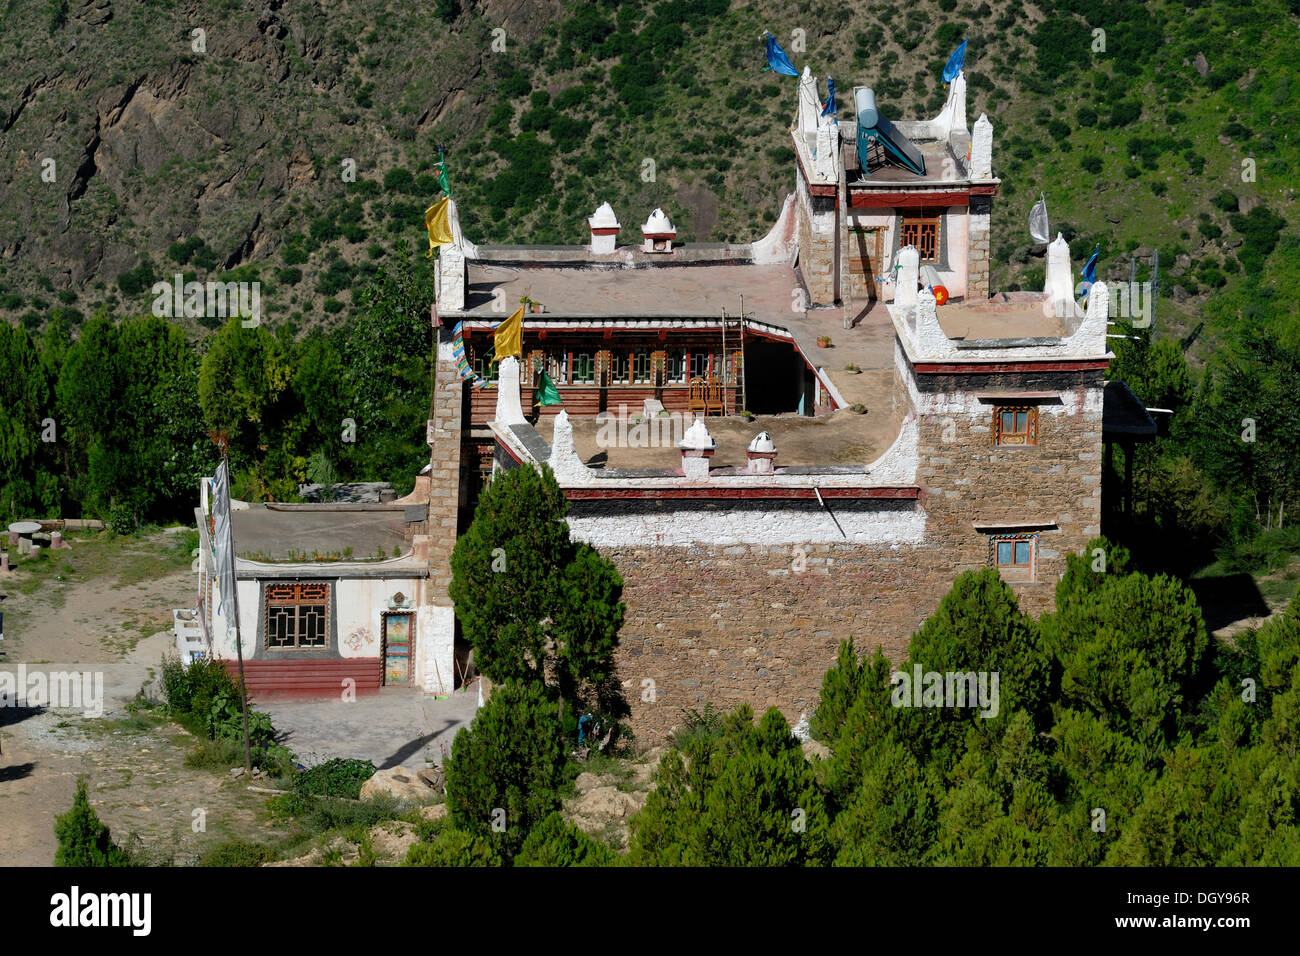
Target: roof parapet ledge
{"points": [[564, 461], [810, 106], [898, 464], [981, 149], [469, 249], [509, 410], [1058, 286], [781, 244], [952, 118], [1090, 337]]}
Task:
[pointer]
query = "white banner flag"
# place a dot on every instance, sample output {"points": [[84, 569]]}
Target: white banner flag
{"points": [[1038, 221], [223, 542]]}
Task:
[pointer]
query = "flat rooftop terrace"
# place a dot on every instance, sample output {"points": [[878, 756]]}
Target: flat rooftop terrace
{"points": [[659, 290], [279, 532], [842, 438], [1005, 315]]}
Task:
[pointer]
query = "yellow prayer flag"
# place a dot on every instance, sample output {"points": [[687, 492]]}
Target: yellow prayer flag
{"points": [[507, 339], [436, 220]]}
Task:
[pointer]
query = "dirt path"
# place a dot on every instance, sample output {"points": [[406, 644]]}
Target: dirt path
{"points": [[105, 608]]}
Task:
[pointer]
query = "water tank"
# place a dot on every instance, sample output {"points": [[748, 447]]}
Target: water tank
{"points": [[865, 106]]}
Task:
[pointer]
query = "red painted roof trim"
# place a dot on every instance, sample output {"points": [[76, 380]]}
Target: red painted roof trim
{"points": [[875, 200]]}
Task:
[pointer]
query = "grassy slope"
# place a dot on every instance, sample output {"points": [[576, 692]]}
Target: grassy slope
{"points": [[382, 85]]}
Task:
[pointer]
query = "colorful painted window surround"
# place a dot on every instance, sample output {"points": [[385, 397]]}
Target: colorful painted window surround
{"points": [[1014, 555], [1015, 425]]}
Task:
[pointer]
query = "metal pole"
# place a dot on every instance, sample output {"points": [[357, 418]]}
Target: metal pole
{"points": [[239, 643]]}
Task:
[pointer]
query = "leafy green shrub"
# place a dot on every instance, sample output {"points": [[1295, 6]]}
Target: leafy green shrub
{"points": [[509, 761], [745, 798], [553, 842], [335, 778], [1225, 201], [1091, 164], [83, 839], [236, 853], [453, 848]]}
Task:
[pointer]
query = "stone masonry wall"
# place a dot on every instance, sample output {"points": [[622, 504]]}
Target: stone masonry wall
{"points": [[758, 623], [445, 492], [815, 231], [729, 625], [978, 254]]}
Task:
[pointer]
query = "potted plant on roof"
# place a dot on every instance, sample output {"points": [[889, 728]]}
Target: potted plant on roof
{"points": [[532, 305], [823, 341]]}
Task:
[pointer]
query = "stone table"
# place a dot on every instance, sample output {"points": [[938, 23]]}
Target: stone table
{"points": [[21, 531]]}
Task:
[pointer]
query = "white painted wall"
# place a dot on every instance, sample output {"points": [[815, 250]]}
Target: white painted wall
{"points": [[721, 528]]}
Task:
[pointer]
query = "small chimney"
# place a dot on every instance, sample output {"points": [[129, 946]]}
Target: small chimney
{"points": [[762, 455], [697, 447], [604, 230], [658, 233]]}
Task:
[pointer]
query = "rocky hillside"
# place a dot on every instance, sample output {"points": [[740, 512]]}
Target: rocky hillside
{"points": [[216, 138]]}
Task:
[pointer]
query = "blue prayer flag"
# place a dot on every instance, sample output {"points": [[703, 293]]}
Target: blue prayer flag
{"points": [[829, 109], [955, 63], [777, 61], [1090, 270]]}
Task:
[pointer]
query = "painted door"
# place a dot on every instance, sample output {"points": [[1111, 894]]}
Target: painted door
{"points": [[399, 641]]}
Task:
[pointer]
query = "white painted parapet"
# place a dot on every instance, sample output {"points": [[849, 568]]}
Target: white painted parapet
{"points": [[908, 263], [697, 447], [981, 149], [604, 230], [451, 278], [781, 244], [810, 105], [761, 454], [469, 249], [1058, 286], [509, 410], [953, 116], [658, 232]]}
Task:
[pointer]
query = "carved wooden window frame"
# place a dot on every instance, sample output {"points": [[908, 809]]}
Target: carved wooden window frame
{"points": [[924, 234], [1015, 570], [292, 610], [1015, 438]]}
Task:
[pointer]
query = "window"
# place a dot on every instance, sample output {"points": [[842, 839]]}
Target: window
{"points": [[584, 368], [641, 368], [1013, 555], [924, 234], [675, 365], [1015, 425], [621, 367], [485, 367], [557, 367], [297, 616], [704, 365]]}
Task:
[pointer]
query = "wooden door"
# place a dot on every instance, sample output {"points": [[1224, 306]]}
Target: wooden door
{"points": [[865, 255], [399, 645]]}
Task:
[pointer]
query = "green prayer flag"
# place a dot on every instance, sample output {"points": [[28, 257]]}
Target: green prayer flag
{"points": [[547, 393]]}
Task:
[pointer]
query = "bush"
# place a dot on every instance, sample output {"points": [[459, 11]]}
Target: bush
{"points": [[236, 853], [1090, 164], [453, 848], [83, 839], [556, 843], [511, 759], [335, 778]]}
